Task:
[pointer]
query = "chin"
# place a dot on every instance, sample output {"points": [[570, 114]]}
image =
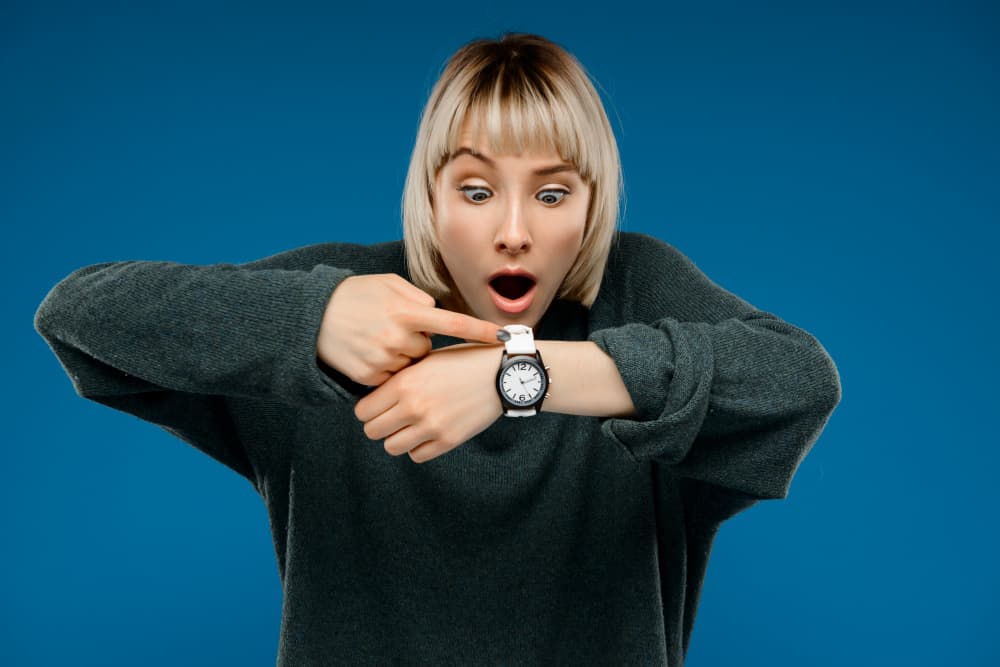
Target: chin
{"points": [[527, 317]]}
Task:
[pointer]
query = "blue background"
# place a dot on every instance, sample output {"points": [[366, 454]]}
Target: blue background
{"points": [[833, 163]]}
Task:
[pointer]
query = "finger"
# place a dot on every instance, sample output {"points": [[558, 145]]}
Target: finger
{"points": [[377, 402], [458, 325], [387, 424], [416, 346], [426, 451], [379, 379], [403, 441], [405, 288], [400, 362]]}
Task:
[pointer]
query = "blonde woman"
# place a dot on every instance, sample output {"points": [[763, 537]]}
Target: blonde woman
{"points": [[579, 408]]}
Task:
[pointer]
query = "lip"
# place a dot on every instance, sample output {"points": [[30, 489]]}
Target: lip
{"points": [[513, 271], [513, 306]]}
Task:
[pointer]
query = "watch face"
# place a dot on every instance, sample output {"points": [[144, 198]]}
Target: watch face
{"points": [[522, 381]]}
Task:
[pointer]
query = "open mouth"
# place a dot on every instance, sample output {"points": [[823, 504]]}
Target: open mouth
{"points": [[512, 287]]}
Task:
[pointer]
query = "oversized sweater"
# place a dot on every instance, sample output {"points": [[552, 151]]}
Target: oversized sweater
{"points": [[555, 539]]}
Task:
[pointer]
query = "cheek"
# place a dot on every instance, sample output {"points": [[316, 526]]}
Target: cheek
{"points": [[568, 236], [564, 244], [456, 234], [460, 236], [569, 247]]}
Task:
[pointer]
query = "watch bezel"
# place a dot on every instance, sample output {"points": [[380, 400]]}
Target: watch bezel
{"points": [[508, 360]]}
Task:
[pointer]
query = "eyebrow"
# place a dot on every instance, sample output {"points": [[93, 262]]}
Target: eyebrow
{"points": [[544, 171]]}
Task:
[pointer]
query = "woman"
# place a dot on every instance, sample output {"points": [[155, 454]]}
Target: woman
{"points": [[647, 404]]}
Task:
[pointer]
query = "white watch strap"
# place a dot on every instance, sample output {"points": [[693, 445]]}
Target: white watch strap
{"points": [[522, 341]]}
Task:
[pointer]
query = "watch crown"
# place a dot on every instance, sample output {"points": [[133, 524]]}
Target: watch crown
{"points": [[546, 394]]}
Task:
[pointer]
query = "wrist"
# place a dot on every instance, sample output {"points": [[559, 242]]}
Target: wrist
{"points": [[584, 380]]}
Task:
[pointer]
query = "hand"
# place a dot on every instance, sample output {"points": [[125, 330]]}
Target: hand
{"points": [[375, 325], [436, 404]]}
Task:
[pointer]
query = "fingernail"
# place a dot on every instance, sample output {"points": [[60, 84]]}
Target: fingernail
{"points": [[503, 335]]}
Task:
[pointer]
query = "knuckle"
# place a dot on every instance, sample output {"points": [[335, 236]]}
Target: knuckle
{"points": [[376, 367], [376, 362], [395, 340], [406, 316], [434, 427], [400, 362], [411, 400], [405, 409], [383, 337], [377, 377]]}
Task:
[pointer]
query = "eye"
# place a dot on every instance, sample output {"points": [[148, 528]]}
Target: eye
{"points": [[552, 197], [479, 194]]}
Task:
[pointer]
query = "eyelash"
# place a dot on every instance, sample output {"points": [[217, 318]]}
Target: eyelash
{"points": [[564, 193]]}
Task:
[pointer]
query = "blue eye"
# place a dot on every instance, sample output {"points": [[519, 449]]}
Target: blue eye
{"points": [[546, 196], [476, 196]]}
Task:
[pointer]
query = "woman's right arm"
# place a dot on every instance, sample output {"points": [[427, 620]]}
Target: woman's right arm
{"points": [[139, 326], [168, 342]]}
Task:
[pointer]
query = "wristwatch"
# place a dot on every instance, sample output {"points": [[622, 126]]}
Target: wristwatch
{"points": [[523, 379]]}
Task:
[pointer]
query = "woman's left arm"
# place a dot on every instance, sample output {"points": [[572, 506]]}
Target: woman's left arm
{"points": [[737, 404], [723, 392]]}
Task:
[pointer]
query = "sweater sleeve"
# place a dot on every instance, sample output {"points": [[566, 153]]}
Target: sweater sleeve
{"points": [[724, 393], [169, 342]]}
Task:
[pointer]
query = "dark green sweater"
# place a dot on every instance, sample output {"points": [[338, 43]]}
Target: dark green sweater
{"points": [[556, 539]]}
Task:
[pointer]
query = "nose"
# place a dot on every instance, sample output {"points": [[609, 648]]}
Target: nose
{"points": [[513, 236]]}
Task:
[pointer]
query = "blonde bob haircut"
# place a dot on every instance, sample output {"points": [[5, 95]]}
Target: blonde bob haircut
{"points": [[528, 94]]}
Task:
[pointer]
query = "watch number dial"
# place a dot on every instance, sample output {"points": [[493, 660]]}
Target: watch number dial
{"points": [[521, 383]]}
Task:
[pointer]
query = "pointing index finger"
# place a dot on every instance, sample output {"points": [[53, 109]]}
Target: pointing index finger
{"points": [[459, 325]]}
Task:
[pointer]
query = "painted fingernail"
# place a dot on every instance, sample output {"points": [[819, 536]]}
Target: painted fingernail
{"points": [[503, 335]]}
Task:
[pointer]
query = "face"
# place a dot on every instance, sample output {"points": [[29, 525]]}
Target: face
{"points": [[500, 213]]}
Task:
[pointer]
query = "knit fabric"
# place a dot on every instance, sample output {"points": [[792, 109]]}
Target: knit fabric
{"points": [[555, 539]]}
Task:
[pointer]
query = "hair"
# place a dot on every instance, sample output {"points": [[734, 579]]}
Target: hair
{"points": [[530, 94]]}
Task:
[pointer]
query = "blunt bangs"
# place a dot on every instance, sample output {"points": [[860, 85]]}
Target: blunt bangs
{"points": [[515, 117]]}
